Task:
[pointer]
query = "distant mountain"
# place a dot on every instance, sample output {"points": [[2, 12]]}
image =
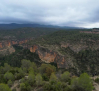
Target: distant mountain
{"points": [[14, 26], [25, 33]]}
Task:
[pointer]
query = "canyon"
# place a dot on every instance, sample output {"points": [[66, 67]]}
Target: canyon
{"points": [[6, 43], [57, 53], [50, 56]]}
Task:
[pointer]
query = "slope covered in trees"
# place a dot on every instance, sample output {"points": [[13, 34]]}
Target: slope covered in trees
{"points": [[15, 58], [25, 71], [82, 48], [72, 36], [25, 33]]}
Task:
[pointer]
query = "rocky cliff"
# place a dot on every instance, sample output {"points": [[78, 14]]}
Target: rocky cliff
{"points": [[7, 50], [6, 46], [58, 53], [49, 56], [7, 43]]}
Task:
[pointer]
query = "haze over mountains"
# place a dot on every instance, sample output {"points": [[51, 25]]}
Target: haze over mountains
{"points": [[15, 25]]}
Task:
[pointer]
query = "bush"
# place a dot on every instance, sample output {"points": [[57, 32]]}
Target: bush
{"points": [[9, 76], [97, 80], [65, 77], [31, 79], [83, 83], [45, 77], [53, 78], [4, 87], [9, 83], [38, 79], [22, 87], [14, 89]]}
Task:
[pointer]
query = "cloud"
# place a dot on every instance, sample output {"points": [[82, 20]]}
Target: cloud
{"points": [[57, 12]]}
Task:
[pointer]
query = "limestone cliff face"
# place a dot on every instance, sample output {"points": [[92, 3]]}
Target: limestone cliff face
{"points": [[81, 45], [6, 46], [7, 43], [7, 50], [49, 56], [1, 45]]}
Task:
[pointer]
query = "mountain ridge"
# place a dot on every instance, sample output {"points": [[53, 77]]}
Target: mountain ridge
{"points": [[15, 25]]}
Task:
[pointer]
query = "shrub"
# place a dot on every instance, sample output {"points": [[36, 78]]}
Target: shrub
{"points": [[38, 79], [65, 77], [22, 87], [9, 83], [4, 87], [97, 80]]}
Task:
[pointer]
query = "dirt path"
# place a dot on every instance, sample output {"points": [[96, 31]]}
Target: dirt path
{"points": [[96, 86], [16, 83]]}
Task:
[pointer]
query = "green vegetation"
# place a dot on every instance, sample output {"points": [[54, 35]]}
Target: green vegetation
{"points": [[35, 80], [25, 33], [4, 87], [97, 80], [88, 61], [65, 36], [30, 73], [15, 58], [82, 48], [83, 83]]}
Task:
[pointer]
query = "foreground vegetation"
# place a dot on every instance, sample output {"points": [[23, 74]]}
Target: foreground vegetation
{"points": [[44, 77]]}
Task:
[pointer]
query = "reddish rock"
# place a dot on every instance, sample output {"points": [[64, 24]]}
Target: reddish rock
{"points": [[9, 43], [1, 45], [34, 48], [49, 56], [21, 42], [14, 42]]}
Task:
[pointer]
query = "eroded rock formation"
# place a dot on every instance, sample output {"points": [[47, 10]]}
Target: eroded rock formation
{"points": [[6, 43], [49, 56], [6, 46], [7, 50]]}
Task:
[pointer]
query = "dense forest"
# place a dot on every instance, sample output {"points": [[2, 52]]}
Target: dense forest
{"points": [[72, 36], [30, 77], [15, 58], [25, 33]]}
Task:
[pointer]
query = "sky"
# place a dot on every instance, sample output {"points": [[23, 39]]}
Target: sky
{"points": [[76, 13]]}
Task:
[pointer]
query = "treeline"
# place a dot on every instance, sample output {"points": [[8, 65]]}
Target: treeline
{"points": [[25, 33], [30, 77], [65, 36]]}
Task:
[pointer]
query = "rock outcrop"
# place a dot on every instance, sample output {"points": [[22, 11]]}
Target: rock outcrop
{"points": [[7, 50], [7, 43], [49, 56]]}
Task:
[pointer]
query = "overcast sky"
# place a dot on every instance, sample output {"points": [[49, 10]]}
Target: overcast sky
{"points": [[80, 13]]}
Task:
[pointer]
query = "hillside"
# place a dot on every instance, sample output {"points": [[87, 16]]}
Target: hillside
{"points": [[25, 33], [59, 61], [20, 36], [72, 50], [35, 25]]}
